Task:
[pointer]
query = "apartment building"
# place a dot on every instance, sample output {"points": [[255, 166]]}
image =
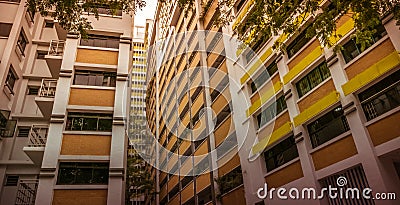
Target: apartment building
{"points": [[64, 108], [302, 118], [138, 131], [189, 110]]}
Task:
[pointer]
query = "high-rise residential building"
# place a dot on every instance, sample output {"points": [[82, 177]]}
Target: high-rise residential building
{"points": [[64, 108], [302, 118], [138, 132]]}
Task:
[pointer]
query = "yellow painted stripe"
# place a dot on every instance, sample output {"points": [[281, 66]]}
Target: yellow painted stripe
{"points": [[342, 31], [316, 53], [265, 97], [242, 14], [275, 136], [256, 65], [316, 108], [371, 73]]}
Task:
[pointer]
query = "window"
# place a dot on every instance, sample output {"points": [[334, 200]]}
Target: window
{"points": [[229, 143], [77, 173], [381, 97], [231, 180], [281, 153], [271, 111], [101, 41], [298, 43], [313, 79], [186, 180], [22, 41], [33, 90], [263, 77], [12, 180], [11, 79], [222, 115], [7, 127], [89, 122], [5, 29], [327, 127], [105, 9], [48, 24], [23, 131], [41, 54], [95, 78], [220, 87], [352, 49]]}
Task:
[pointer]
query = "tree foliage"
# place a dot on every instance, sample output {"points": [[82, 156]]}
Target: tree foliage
{"points": [[273, 17], [71, 13], [270, 17]]}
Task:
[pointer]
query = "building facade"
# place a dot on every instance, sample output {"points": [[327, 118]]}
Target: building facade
{"points": [[303, 117], [64, 108], [138, 132]]}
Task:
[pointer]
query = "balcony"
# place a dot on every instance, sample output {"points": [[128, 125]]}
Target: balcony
{"points": [[36, 143], [26, 193], [45, 99], [54, 57]]}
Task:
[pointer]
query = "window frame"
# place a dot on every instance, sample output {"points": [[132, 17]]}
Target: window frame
{"points": [[282, 147], [77, 166], [273, 107], [312, 84], [380, 33], [81, 117], [11, 75], [109, 79], [22, 41], [5, 29], [336, 115]]}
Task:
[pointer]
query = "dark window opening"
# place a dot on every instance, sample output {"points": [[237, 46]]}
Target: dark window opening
{"points": [[328, 127], [95, 78], [264, 76], [301, 40], [77, 173], [33, 90], [271, 111], [231, 180], [23, 131], [22, 42], [281, 153], [12, 180], [11, 79], [313, 79], [381, 97], [101, 41], [352, 49], [5, 29], [89, 122], [49, 24]]}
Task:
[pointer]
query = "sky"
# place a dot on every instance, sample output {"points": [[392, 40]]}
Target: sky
{"points": [[146, 13]]}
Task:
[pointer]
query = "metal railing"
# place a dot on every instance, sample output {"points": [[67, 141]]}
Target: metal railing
{"points": [[26, 193], [48, 88], [38, 136], [56, 48]]}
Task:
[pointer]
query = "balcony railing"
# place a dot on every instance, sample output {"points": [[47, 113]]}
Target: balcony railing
{"points": [[38, 136], [26, 193], [56, 48], [48, 88]]}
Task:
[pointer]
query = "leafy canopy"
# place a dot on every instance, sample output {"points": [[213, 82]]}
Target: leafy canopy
{"points": [[271, 17], [70, 13]]}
